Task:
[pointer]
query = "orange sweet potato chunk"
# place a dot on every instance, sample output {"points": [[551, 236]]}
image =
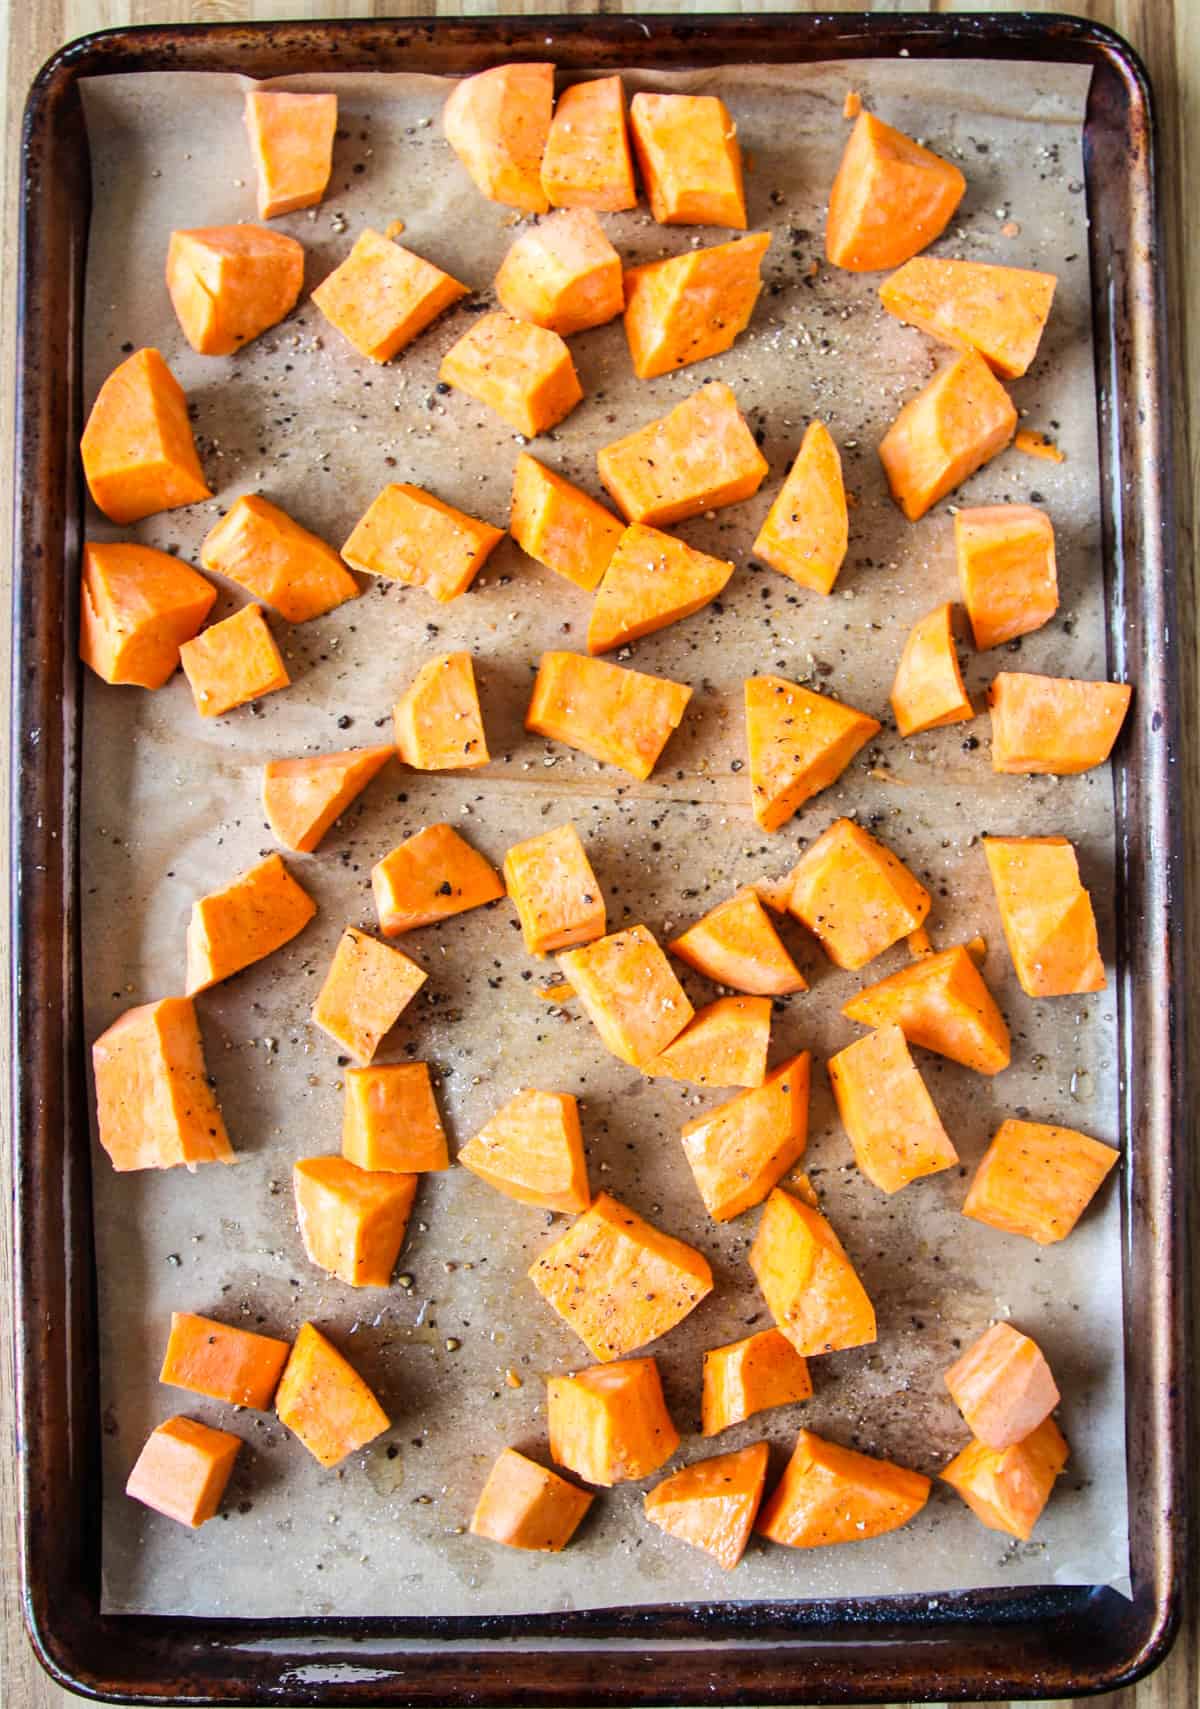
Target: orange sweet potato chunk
{"points": [[831, 1494], [292, 139], [352, 1221], [1007, 568], [610, 1424], [621, 717], [628, 988], [887, 1112], [855, 896], [523, 372], [999, 311], [560, 526], [228, 283], [409, 536], [183, 1469], [891, 198], [928, 691], [155, 1106], [961, 419], [260, 911], [382, 296], [1008, 1488], [1037, 1180], [215, 1359], [749, 1376], [431, 876], [941, 1003], [700, 456], [562, 273], [618, 1281], [724, 1044], [688, 154], [587, 162], [138, 453], [323, 1400], [807, 529], [532, 1151], [368, 987], [798, 743], [303, 797], [807, 1280], [1046, 914], [738, 1151], [527, 1506], [437, 721], [1003, 1386], [258, 546], [232, 662], [497, 123], [691, 306], [712, 1503], [390, 1120], [736, 944], [652, 580], [136, 608], [554, 890], [1054, 724]]}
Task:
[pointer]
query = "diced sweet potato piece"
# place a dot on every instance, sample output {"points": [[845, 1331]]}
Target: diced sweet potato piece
{"points": [[855, 896], [563, 274], [711, 1504], [532, 1151], [323, 1400], [183, 1469], [262, 909], [959, 421], [749, 1376], [303, 797], [629, 990], [1037, 1180], [1007, 1488], [382, 296], [699, 456], [1003, 1386], [228, 283], [430, 877], [891, 198], [1054, 724], [1046, 914], [410, 536], [807, 529], [155, 1106], [725, 1044], [215, 1359], [999, 311], [136, 608], [942, 1004], [887, 1112], [352, 1221], [928, 691], [523, 372], [618, 1282], [292, 139], [622, 717], [138, 453], [368, 987], [798, 743], [831, 1494], [652, 580], [587, 163], [527, 1506], [390, 1120], [437, 721], [554, 890], [807, 1280], [738, 1151], [232, 662], [735, 944], [559, 525], [1035, 444], [1007, 568], [693, 305], [610, 1424], [258, 546], [688, 155], [497, 123]]}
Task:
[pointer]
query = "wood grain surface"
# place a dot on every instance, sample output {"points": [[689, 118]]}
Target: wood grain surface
{"points": [[1167, 35]]}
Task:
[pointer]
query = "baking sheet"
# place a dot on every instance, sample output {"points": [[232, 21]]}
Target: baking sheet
{"points": [[171, 809]]}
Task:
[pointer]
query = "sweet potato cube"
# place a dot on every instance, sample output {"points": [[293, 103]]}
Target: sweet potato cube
{"points": [[232, 662], [225, 1363], [887, 1112], [527, 1506], [619, 1282], [736, 944], [688, 154], [352, 1221], [691, 306], [699, 456], [228, 283], [554, 890], [855, 895], [807, 529], [954, 426], [523, 372], [1008, 1488], [1046, 914], [409, 536], [1037, 1180], [292, 139], [798, 743], [323, 1400], [738, 1151], [652, 580], [390, 1120], [610, 1424], [138, 453], [622, 717], [302, 797], [711, 1504], [749, 1376], [1003, 1386], [1054, 724], [437, 721], [999, 311], [155, 1106], [532, 1151], [183, 1469], [497, 123], [891, 198], [136, 608], [807, 1280], [928, 691], [258, 546], [941, 1003], [559, 525], [588, 163], [831, 1494], [724, 1044], [382, 296], [562, 273], [430, 877], [629, 990], [368, 987], [261, 910], [1007, 568]]}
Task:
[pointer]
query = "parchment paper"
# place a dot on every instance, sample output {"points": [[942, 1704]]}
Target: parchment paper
{"points": [[171, 810]]}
